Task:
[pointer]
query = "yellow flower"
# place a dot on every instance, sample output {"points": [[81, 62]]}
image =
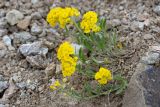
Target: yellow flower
{"points": [[69, 66], [103, 75], [68, 60], [53, 16], [61, 16], [88, 23], [55, 85], [65, 50]]}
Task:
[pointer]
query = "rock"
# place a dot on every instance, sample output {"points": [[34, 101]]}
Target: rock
{"points": [[58, 69], [151, 58], [16, 77], [23, 37], [2, 3], [14, 16], [34, 1], [11, 48], [11, 90], [2, 53], [157, 9], [37, 61], [3, 32], [36, 16], [35, 48], [1, 105], [3, 23], [23, 24], [143, 89], [2, 13], [3, 85], [50, 70], [43, 34], [147, 22], [22, 85], [2, 46], [134, 95], [49, 45], [1, 78], [155, 48], [7, 40], [143, 17], [141, 26], [137, 26], [77, 48], [121, 8], [36, 29], [116, 22], [148, 36], [156, 29]]}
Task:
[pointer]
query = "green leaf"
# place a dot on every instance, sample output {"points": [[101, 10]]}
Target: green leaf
{"points": [[81, 55]]}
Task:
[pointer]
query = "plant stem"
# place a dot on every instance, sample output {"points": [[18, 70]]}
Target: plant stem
{"points": [[77, 27]]}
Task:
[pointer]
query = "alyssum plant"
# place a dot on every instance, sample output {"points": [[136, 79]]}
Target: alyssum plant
{"points": [[89, 68]]}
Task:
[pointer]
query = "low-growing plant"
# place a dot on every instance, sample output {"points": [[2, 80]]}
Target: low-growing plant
{"points": [[85, 73]]}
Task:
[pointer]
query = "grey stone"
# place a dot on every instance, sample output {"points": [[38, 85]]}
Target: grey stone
{"points": [[2, 13], [1, 78], [22, 85], [151, 58], [3, 32], [1, 105], [50, 70], [137, 26], [143, 88], [14, 16], [35, 29], [35, 48], [116, 22], [37, 61], [23, 36], [134, 96], [36, 16], [7, 40], [156, 29], [3, 23], [2, 53], [157, 9], [141, 26], [34, 1], [3, 85], [148, 36], [16, 77]]}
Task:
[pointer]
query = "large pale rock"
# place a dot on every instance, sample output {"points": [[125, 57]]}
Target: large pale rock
{"points": [[143, 89], [35, 48], [157, 9], [14, 16]]}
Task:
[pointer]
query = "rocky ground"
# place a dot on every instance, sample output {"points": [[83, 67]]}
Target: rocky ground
{"points": [[28, 47]]}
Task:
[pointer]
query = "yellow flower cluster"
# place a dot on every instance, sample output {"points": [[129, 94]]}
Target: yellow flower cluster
{"points": [[103, 75], [68, 61], [89, 21], [65, 50], [61, 16], [55, 85]]}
